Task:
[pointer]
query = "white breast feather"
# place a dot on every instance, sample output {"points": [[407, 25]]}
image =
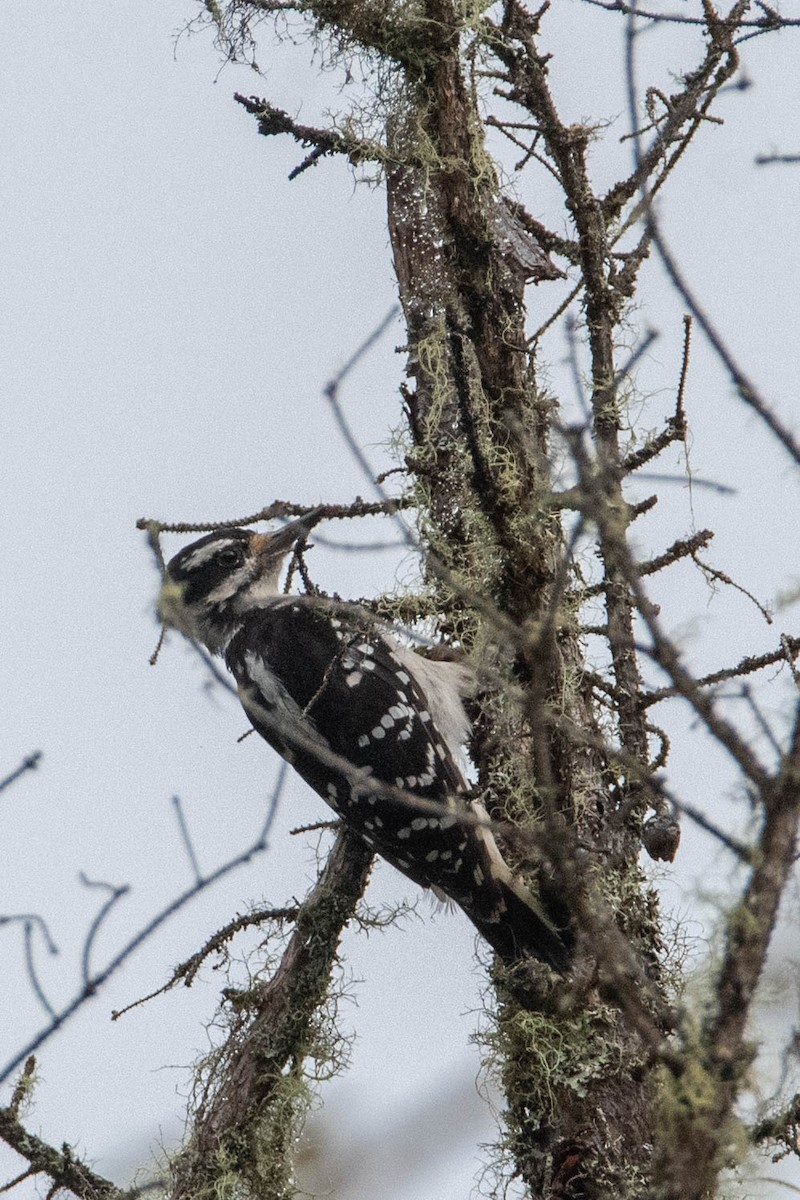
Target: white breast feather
{"points": [[443, 684]]}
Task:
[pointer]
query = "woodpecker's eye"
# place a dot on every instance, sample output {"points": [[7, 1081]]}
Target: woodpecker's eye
{"points": [[230, 556]]}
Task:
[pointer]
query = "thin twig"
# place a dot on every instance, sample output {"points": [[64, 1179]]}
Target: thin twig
{"points": [[623, 372], [28, 764], [771, 21], [186, 838], [32, 972], [284, 509], [765, 160], [187, 971], [274, 121], [787, 651], [99, 978], [116, 893], [35, 919]]}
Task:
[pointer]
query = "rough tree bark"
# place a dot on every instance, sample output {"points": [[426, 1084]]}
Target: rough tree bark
{"points": [[481, 467]]}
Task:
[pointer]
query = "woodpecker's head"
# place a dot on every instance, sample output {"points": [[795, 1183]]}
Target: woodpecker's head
{"points": [[211, 583]]}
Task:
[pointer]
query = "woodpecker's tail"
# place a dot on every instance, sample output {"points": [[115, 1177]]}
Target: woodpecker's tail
{"points": [[515, 924], [522, 929]]}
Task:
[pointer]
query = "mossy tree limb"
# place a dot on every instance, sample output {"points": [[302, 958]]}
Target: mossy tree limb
{"points": [[246, 1125], [480, 456]]}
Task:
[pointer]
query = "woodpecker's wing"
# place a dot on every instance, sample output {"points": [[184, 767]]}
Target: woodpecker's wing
{"points": [[323, 683], [342, 677], [315, 686]]}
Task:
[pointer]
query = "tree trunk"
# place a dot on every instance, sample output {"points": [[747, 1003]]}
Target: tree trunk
{"points": [[580, 1110]]}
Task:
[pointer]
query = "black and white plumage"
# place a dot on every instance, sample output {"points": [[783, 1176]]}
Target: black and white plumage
{"points": [[369, 724]]}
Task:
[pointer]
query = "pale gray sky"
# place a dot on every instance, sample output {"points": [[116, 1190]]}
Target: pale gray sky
{"points": [[171, 310]]}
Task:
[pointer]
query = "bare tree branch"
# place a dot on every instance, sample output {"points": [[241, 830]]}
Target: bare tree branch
{"points": [[30, 763], [61, 1166], [95, 981]]}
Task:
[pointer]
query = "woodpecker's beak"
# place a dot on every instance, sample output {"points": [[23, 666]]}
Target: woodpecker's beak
{"points": [[274, 545]]}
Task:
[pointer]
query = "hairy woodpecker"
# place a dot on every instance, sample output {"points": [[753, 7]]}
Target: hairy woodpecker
{"points": [[373, 727]]}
